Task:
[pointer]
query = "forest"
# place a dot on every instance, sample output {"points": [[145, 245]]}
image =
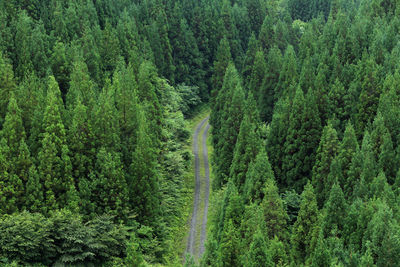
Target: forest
{"points": [[95, 150]]}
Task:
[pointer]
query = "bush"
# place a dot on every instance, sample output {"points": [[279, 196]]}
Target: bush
{"points": [[62, 239]]}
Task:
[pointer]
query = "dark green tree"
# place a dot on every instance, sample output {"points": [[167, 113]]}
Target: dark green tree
{"points": [[247, 144], [258, 173], [274, 213], [227, 138], [222, 59], [301, 238], [143, 188], [258, 253], [326, 152]]}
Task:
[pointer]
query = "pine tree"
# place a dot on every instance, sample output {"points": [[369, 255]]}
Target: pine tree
{"points": [[109, 188], [336, 210], [276, 139], [52, 168], [81, 142], [266, 35], [34, 191], [7, 84], [224, 151], [369, 96], [11, 189], [258, 252], [305, 225], [229, 248], [266, 99], [143, 188], [347, 149], [249, 59], [218, 114], [257, 75], [288, 76], [301, 141], [222, 59], [326, 152], [258, 173], [82, 88], [274, 212], [105, 123], [247, 144], [383, 147]]}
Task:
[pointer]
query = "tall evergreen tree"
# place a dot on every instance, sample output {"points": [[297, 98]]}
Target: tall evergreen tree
{"points": [[258, 254], [304, 226], [52, 166], [228, 137], [301, 141], [222, 59], [274, 213], [143, 188], [326, 152], [247, 144], [258, 173], [347, 149]]}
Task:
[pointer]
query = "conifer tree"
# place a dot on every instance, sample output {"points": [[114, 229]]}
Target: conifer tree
{"points": [[222, 59], [247, 144], [347, 149], [321, 256], [228, 136], [266, 35], [126, 101], [326, 152], [383, 147], [266, 100], [301, 141], [258, 253], [257, 75], [258, 173], [291, 165], [288, 76], [52, 168], [229, 248], [109, 188], [33, 191], [81, 88], [369, 166], [7, 84], [224, 95], [143, 188], [277, 137], [274, 212], [105, 124], [249, 59], [149, 93], [369, 96], [81, 142], [303, 228], [336, 210], [18, 154], [11, 189]]}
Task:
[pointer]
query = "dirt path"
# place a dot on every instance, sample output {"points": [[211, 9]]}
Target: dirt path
{"points": [[206, 191], [194, 222]]}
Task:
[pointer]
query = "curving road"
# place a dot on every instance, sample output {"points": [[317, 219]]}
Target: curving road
{"points": [[195, 221]]}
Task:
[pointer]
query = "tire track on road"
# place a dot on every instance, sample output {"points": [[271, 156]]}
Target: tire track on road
{"points": [[191, 248]]}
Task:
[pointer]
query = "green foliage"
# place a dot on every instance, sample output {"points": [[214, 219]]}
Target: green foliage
{"points": [[258, 173], [258, 253], [30, 238], [301, 239], [326, 152]]}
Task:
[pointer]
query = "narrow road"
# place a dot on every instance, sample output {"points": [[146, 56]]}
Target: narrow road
{"points": [[196, 220]]}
